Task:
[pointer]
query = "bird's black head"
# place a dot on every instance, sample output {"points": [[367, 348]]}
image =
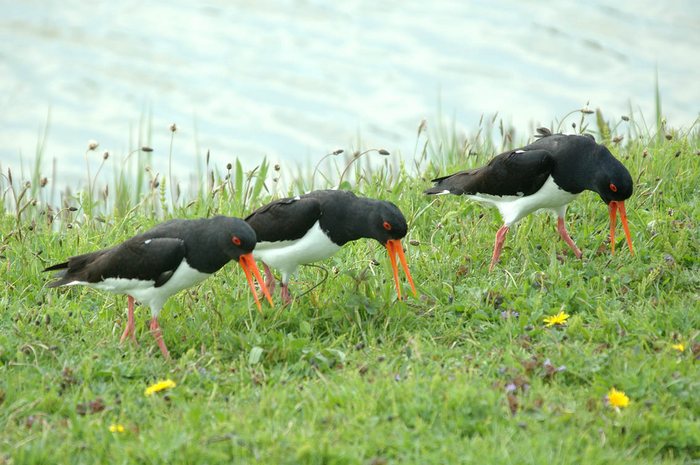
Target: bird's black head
{"points": [[581, 163], [386, 222], [236, 239], [612, 181], [234, 236], [387, 225]]}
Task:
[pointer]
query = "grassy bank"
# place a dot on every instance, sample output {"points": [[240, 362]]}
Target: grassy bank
{"points": [[467, 372]]}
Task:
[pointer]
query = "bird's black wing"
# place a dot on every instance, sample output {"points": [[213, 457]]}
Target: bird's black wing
{"points": [[518, 172], [285, 219], [149, 260]]}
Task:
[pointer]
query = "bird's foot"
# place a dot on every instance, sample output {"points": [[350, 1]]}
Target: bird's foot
{"points": [[269, 279], [130, 330], [286, 296], [158, 336], [561, 227], [498, 245]]}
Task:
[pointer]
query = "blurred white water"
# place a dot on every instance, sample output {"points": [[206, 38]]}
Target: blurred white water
{"points": [[293, 80]]}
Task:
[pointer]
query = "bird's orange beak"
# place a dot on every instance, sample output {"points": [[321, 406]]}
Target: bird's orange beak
{"points": [[247, 262], [613, 207], [394, 248]]}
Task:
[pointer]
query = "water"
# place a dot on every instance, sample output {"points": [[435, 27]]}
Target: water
{"points": [[294, 80]]}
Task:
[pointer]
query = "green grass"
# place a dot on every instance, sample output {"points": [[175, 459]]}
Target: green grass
{"points": [[464, 373]]}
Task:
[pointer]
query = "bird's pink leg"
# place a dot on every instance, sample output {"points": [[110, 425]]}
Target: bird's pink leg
{"points": [[130, 330], [561, 227], [286, 296], [498, 245], [269, 279], [158, 336]]}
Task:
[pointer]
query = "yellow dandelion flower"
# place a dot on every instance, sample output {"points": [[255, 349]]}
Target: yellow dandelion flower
{"points": [[558, 319], [618, 399], [159, 386], [679, 347], [116, 428]]}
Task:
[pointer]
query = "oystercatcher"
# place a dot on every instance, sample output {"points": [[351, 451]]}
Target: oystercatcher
{"points": [[154, 265], [549, 173], [314, 226]]}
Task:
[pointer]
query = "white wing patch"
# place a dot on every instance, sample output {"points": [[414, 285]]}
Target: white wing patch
{"points": [[520, 151], [147, 241]]}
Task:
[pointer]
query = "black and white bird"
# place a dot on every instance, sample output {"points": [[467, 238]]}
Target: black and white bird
{"points": [[312, 227], [549, 173], [168, 258]]}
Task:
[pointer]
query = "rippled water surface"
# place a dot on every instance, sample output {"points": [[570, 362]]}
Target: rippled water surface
{"points": [[293, 80]]}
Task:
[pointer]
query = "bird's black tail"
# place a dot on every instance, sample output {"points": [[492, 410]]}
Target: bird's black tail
{"points": [[442, 186], [62, 269], [58, 266], [434, 190]]}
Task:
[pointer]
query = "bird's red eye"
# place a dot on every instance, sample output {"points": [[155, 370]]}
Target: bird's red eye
{"points": [[387, 226], [613, 187], [236, 240]]}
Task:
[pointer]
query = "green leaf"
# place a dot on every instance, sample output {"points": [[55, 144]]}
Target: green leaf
{"points": [[254, 355]]}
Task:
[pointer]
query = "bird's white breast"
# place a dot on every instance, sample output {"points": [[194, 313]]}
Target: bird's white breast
{"points": [[286, 256], [184, 276], [515, 207]]}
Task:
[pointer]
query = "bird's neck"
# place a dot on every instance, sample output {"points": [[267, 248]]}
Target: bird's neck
{"points": [[347, 223], [574, 174]]}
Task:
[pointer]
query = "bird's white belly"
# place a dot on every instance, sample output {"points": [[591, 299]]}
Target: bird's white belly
{"points": [[515, 207], [143, 291], [286, 256]]}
